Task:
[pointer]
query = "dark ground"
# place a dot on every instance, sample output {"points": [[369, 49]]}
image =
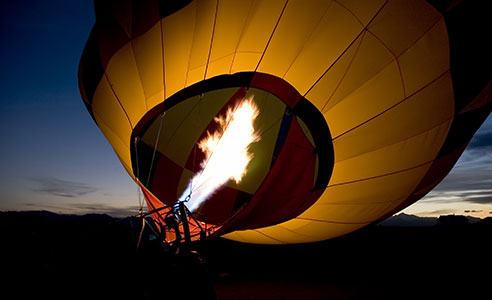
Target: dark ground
{"points": [[94, 257]]}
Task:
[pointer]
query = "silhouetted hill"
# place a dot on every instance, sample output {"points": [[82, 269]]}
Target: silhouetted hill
{"points": [[409, 220], [95, 256], [406, 220], [486, 221], [47, 216]]}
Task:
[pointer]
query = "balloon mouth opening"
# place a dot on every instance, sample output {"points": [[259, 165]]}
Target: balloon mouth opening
{"points": [[290, 166]]}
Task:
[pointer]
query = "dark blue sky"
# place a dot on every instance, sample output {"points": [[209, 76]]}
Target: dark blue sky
{"points": [[54, 157]]}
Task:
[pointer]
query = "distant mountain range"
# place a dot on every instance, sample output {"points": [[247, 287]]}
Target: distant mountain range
{"points": [[406, 220], [47, 217], [399, 220]]}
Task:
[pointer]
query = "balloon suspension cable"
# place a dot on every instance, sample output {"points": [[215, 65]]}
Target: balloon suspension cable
{"points": [[140, 201], [155, 148], [194, 148], [139, 193], [141, 213], [180, 209], [176, 219], [178, 216]]}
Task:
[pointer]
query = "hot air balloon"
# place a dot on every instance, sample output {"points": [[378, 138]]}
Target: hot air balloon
{"points": [[362, 106]]}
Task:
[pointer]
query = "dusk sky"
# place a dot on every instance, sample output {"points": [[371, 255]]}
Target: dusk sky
{"points": [[54, 157]]}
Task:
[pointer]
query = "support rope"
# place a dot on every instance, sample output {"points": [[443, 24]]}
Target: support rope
{"points": [[155, 148]]}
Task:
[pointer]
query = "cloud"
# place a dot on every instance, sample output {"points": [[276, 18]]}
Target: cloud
{"points": [[481, 140], [61, 188], [470, 179], [480, 199], [435, 212], [478, 196]]}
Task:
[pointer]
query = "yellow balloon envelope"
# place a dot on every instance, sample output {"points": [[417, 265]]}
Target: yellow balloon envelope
{"points": [[363, 105]]}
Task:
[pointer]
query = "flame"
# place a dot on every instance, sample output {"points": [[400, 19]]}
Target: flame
{"points": [[226, 153]]}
